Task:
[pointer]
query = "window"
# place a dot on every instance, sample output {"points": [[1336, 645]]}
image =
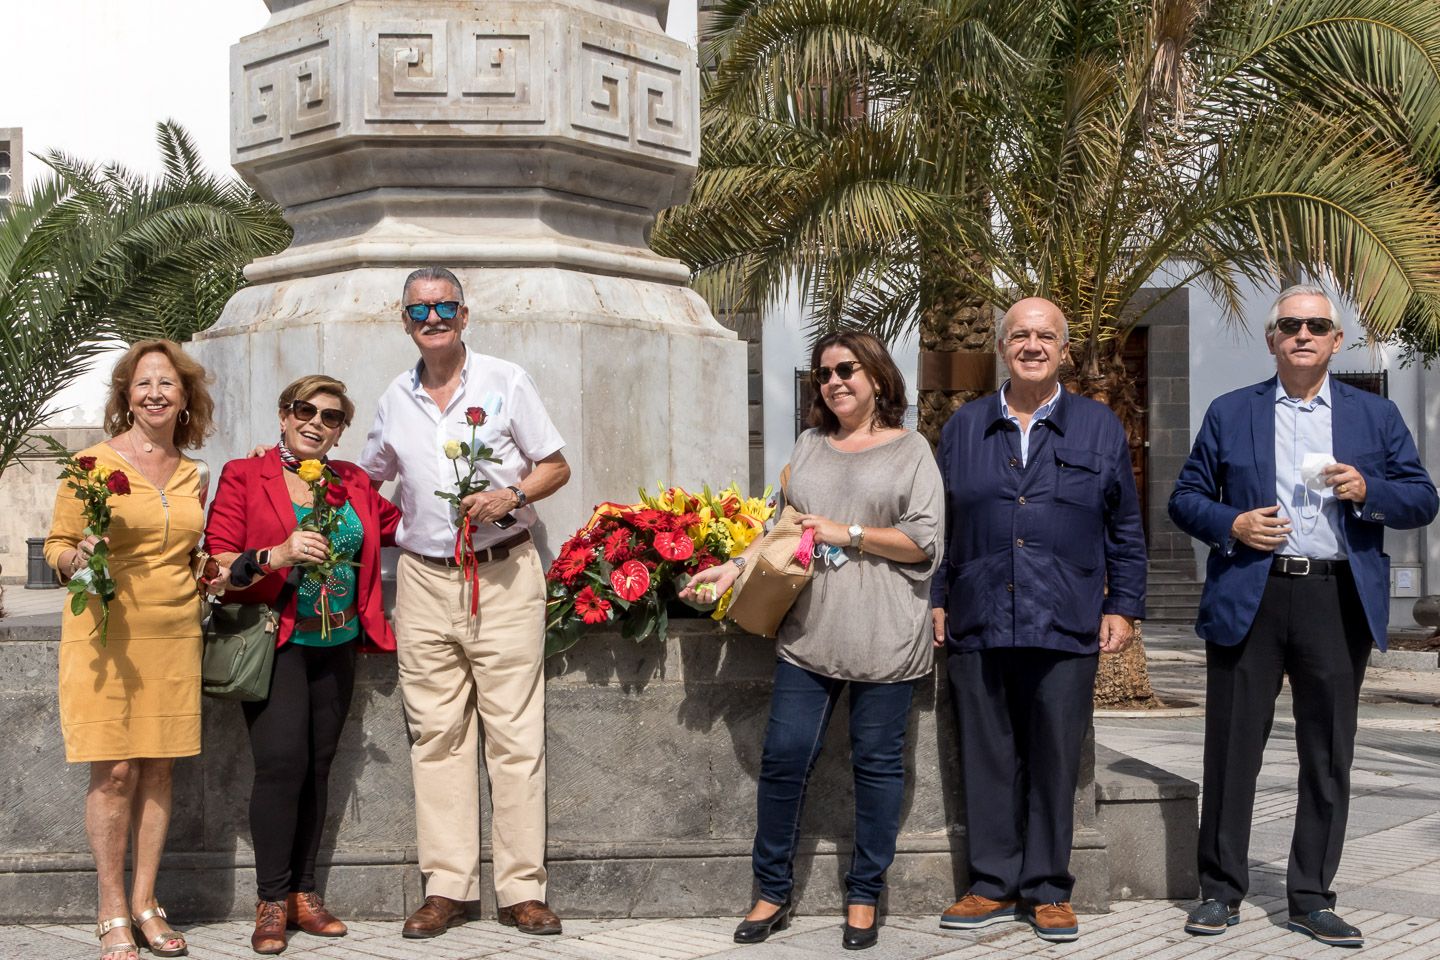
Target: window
{"points": [[1377, 383]]}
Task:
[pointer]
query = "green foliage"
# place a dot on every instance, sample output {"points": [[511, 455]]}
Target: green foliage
{"points": [[98, 256], [1080, 149]]}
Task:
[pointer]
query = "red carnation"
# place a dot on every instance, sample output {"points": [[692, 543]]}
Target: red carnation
{"points": [[674, 546], [631, 580], [475, 416], [705, 561], [85, 463], [118, 482], [592, 609], [335, 493]]}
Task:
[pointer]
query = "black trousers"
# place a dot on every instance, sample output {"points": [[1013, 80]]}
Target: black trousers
{"points": [[293, 738], [1313, 630], [1022, 714]]}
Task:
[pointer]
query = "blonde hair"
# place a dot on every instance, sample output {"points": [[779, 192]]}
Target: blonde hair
{"points": [[198, 422], [307, 387]]}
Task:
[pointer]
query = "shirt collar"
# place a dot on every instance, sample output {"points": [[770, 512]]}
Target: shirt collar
{"points": [[420, 365], [1045, 409], [1322, 397]]}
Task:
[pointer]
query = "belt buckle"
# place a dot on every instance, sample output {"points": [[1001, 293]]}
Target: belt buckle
{"points": [[337, 619], [1296, 560]]}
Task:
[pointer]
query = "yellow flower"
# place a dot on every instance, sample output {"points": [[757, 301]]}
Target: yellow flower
{"points": [[311, 470], [101, 473], [452, 449]]}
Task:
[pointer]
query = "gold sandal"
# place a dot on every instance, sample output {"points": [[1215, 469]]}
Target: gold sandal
{"points": [[119, 949], [172, 937]]}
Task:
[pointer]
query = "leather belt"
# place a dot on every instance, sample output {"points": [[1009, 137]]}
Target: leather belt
{"points": [[499, 551], [337, 620], [1304, 567]]}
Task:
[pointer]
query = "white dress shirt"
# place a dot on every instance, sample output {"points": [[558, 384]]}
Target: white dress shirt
{"points": [[1041, 412], [1317, 530], [408, 439]]}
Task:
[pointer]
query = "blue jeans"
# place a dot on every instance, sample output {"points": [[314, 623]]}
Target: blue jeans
{"points": [[800, 709]]}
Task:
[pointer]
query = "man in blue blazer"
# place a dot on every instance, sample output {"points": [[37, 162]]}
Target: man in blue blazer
{"points": [[1291, 482]]}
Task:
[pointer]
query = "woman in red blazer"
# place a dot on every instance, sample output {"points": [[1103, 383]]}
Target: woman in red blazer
{"points": [[295, 731]]}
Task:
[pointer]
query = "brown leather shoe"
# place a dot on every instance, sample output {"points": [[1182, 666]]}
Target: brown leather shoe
{"points": [[306, 911], [269, 935], [436, 915], [531, 916], [1055, 922]]}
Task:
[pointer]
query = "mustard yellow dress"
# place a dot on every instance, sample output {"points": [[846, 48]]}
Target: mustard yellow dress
{"points": [[138, 695]]}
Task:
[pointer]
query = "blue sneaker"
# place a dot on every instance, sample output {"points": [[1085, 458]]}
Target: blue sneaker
{"points": [[1324, 926], [1210, 918]]}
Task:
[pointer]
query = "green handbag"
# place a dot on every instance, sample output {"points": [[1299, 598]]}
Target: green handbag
{"points": [[239, 653]]}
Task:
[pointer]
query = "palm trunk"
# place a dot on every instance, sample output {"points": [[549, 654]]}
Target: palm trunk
{"points": [[957, 348]]}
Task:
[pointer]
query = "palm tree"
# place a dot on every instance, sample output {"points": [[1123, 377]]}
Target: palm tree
{"points": [[94, 256], [1075, 149]]}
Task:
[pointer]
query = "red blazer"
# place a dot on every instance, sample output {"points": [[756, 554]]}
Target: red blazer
{"points": [[252, 510]]}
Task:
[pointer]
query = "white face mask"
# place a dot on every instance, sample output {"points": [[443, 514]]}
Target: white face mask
{"points": [[1311, 466]]}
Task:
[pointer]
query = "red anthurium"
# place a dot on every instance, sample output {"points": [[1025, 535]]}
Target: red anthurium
{"points": [[118, 482], [674, 546], [592, 609], [630, 580], [475, 416]]}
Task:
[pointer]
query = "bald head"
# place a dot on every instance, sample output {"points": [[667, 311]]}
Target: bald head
{"points": [[1037, 308]]}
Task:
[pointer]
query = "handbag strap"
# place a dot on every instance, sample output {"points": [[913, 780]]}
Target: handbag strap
{"points": [[282, 599]]}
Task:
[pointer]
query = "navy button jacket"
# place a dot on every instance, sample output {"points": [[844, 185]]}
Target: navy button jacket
{"points": [[1029, 550]]}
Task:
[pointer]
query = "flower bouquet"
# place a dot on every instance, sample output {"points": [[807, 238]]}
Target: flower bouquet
{"points": [[327, 497], [629, 560], [473, 454], [94, 485]]}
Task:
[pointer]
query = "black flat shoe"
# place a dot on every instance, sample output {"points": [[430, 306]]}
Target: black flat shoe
{"points": [[861, 938], [757, 931]]}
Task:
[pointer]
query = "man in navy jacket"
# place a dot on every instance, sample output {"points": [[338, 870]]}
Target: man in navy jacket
{"points": [[1291, 482], [1041, 514]]}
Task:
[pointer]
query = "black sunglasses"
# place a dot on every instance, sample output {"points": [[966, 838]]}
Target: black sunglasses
{"points": [[420, 312], [305, 411], [1318, 326], [844, 371]]}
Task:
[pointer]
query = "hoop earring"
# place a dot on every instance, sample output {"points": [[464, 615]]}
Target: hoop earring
{"points": [[184, 417], [129, 418]]}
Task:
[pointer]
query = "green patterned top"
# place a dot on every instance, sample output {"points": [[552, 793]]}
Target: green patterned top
{"points": [[347, 540]]}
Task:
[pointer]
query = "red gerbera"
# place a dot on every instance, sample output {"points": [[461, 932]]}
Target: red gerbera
{"points": [[617, 546], [570, 564], [592, 609], [674, 546], [651, 520], [631, 580], [118, 482]]}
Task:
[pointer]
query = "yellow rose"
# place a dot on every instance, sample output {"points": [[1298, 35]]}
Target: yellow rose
{"points": [[311, 470], [452, 449]]}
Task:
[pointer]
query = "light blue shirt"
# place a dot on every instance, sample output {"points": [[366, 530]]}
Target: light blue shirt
{"points": [[1316, 525], [1045, 409]]}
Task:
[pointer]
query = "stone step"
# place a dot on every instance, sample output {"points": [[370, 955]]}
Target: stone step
{"points": [[1173, 588]]}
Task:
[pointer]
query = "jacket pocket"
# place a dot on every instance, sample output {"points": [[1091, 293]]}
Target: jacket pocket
{"points": [[1077, 476]]}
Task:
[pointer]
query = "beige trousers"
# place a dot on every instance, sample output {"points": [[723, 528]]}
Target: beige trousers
{"points": [[451, 669]]}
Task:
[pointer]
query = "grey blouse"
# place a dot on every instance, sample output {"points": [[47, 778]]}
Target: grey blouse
{"points": [[870, 618]]}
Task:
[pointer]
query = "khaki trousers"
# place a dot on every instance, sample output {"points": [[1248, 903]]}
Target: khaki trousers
{"points": [[451, 668]]}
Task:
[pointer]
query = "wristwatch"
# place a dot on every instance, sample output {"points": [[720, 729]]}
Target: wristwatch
{"points": [[857, 535], [262, 560], [520, 497], [739, 562]]}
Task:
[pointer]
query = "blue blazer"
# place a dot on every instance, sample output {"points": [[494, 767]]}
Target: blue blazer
{"points": [[1232, 469]]}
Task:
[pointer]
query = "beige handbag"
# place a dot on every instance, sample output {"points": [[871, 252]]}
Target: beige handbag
{"points": [[772, 580]]}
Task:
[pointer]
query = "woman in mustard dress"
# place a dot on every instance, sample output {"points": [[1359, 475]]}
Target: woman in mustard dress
{"points": [[130, 705]]}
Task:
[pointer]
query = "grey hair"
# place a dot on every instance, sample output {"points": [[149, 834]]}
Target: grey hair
{"points": [[434, 273], [1000, 329], [1303, 290]]}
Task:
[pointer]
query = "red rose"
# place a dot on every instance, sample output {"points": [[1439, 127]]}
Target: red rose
{"points": [[631, 580], [86, 463], [592, 609], [674, 546], [335, 493], [475, 416], [118, 482]]}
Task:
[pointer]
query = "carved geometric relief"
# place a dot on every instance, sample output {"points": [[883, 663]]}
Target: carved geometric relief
{"points": [[636, 98], [287, 95], [456, 71]]}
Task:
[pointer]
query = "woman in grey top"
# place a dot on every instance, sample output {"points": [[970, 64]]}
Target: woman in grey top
{"points": [[872, 489]]}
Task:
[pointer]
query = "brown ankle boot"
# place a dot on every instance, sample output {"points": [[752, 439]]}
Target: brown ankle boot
{"points": [[306, 911], [269, 935]]}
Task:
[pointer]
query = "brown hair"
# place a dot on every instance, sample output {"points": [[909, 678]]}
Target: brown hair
{"points": [[191, 431], [307, 387], [875, 362]]}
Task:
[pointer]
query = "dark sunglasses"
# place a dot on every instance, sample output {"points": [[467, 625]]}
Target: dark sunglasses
{"points": [[305, 411], [420, 312], [845, 370], [1318, 326]]}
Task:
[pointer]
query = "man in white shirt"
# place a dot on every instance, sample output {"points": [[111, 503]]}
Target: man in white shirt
{"points": [[455, 659]]}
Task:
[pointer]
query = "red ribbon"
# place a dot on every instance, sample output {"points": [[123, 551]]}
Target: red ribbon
{"points": [[465, 556]]}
